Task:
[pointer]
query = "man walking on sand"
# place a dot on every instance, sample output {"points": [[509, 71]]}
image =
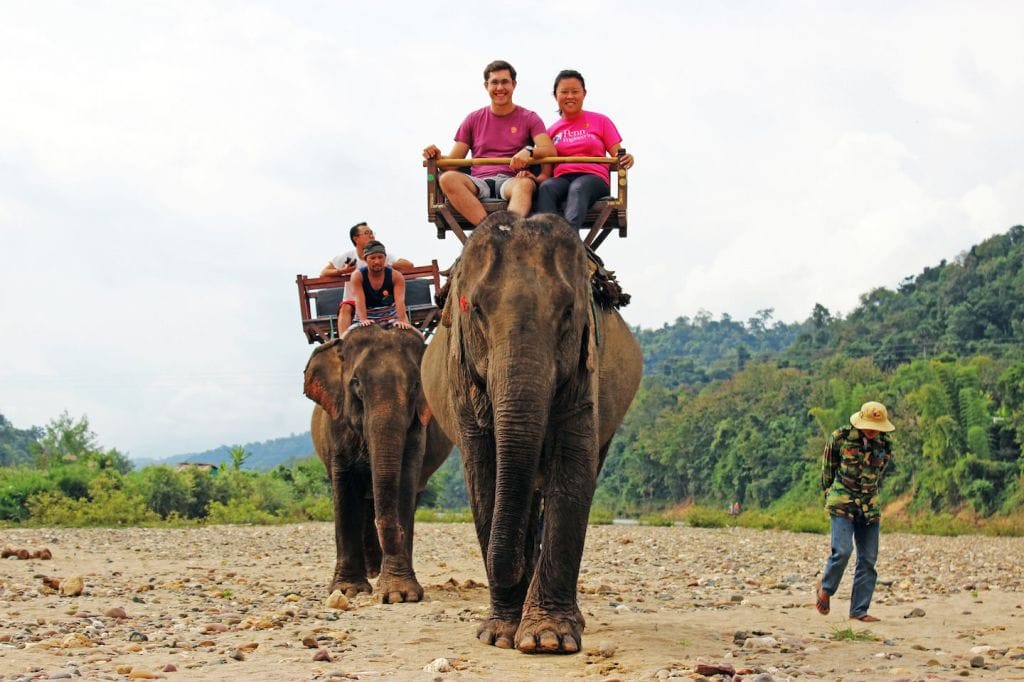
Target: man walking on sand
{"points": [[852, 466]]}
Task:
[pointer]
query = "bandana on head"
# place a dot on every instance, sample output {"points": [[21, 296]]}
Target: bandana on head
{"points": [[373, 247]]}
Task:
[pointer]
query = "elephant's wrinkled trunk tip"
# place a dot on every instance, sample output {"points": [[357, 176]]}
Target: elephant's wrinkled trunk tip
{"points": [[390, 534]]}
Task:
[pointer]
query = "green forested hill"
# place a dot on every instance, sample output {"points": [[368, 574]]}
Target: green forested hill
{"points": [[732, 411], [730, 421], [264, 455], [15, 443]]}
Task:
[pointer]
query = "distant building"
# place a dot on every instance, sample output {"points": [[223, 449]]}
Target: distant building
{"points": [[202, 466]]}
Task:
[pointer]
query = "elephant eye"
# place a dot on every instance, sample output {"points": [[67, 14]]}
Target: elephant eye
{"points": [[355, 386], [567, 313]]}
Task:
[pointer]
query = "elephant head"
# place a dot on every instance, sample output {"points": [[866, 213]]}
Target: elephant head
{"points": [[520, 348], [369, 387]]}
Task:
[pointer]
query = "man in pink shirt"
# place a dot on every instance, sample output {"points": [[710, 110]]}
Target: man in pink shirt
{"points": [[500, 130]]}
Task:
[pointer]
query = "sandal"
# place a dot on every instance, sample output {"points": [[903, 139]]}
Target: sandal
{"points": [[821, 600], [866, 618]]}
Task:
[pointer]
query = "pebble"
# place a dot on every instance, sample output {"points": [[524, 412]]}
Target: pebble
{"points": [[72, 586], [438, 665], [115, 612], [338, 600], [322, 655]]}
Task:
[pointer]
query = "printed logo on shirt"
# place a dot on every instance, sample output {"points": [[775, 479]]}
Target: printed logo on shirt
{"points": [[573, 134], [513, 129]]}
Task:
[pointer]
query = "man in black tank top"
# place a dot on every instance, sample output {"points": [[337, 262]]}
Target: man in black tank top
{"points": [[379, 291]]}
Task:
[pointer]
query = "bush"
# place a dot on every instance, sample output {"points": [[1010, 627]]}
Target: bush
{"points": [[317, 508], [601, 516], [239, 511], [656, 520], [703, 517], [444, 516], [73, 480], [166, 491], [109, 506], [16, 487]]}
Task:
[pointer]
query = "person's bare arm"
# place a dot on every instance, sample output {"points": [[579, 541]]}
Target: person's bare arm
{"points": [[459, 151], [402, 265], [543, 146], [360, 296], [331, 270], [625, 161], [398, 282]]}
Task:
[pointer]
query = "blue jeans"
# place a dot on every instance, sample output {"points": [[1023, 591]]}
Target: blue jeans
{"points": [[844, 534], [579, 191]]}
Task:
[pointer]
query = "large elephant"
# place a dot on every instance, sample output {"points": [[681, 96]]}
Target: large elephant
{"points": [[530, 378], [374, 433]]}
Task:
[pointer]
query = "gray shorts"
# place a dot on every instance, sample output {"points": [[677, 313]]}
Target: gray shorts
{"points": [[492, 187]]}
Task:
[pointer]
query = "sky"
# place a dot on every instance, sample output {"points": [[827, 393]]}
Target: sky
{"points": [[167, 168]]}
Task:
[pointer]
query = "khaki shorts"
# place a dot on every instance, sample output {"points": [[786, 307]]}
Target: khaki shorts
{"points": [[493, 187]]}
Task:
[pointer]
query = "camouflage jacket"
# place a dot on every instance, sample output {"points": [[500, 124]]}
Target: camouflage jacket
{"points": [[851, 471]]}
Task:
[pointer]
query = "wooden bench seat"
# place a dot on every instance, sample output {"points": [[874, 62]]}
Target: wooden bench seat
{"points": [[319, 298], [606, 216]]}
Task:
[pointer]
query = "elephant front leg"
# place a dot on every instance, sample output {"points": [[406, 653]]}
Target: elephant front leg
{"points": [[551, 620], [350, 567]]}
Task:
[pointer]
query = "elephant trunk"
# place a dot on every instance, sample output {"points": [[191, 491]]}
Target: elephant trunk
{"points": [[521, 388], [385, 441]]}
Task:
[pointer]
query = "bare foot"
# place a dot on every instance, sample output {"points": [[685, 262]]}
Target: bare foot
{"points": [[497, 631], [821, 600]]}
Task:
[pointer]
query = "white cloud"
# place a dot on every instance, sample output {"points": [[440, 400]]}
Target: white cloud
{"points": [[166, 169]]}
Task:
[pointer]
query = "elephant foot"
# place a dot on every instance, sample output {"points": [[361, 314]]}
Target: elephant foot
{"points": [[550, 633], [350, 586], [498, 632], [395, 590]]}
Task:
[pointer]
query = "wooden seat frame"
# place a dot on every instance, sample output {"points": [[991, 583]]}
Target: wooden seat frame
{"points": [[604, 217], [323, 328]]}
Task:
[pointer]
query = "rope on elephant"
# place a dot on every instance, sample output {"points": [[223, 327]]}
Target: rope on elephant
{"points": [[608, 292]]}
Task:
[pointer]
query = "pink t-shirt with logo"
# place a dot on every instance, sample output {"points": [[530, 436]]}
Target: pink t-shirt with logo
{"points": [[490, 136], [589, 134]]}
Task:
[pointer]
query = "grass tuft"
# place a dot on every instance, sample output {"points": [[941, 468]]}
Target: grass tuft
{"points": [[848, 634]]}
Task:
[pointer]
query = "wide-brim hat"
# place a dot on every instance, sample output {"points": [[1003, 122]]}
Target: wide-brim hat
{"points": [[873, 417]]}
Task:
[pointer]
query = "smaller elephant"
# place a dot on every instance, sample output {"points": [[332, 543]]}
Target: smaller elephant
{"points": [[375, 434]]}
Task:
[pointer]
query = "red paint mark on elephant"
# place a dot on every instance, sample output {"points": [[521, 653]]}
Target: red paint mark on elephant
{"points": [[318, 393], [463, 303]]}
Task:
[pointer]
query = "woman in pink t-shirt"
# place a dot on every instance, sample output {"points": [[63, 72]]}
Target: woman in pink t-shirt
{"points": [[577, 133]]}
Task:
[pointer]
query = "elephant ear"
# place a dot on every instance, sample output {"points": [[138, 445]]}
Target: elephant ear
{"points": [[423, 410], [472, 396], [322, 378]]}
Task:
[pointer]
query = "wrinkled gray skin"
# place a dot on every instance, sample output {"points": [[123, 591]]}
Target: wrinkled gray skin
{"points": [[373, 431], [519, 381]]}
